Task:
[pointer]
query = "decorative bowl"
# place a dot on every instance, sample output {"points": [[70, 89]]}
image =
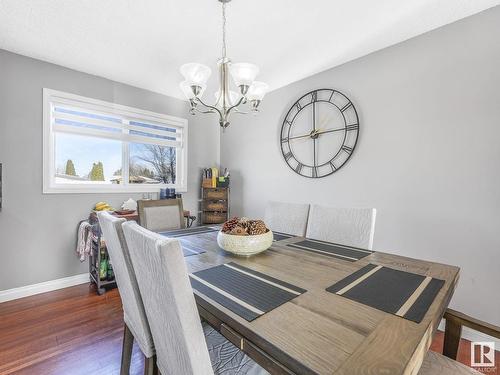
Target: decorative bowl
{"points": [[245, 245]]}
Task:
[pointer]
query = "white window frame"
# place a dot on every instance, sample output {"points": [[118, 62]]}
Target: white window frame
{"points": [[51, 187]]}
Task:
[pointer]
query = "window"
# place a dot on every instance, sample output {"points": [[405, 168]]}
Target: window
{"points": [[91, 146]]}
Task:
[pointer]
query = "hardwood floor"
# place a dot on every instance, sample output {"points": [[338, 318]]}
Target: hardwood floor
{"points": [[70, 331], [75, 331]]}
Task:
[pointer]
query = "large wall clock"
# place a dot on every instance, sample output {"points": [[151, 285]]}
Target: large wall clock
{"points": [[319, 133]]}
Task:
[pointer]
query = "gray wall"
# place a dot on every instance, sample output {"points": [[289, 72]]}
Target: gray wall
{"points": [[37, 232], [428, 154]]}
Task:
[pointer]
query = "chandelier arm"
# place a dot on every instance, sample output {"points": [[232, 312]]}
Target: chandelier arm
{"points": [[203, 112], [211, 107], [242, 100]]}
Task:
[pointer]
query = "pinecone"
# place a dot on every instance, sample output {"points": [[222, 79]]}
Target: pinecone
{"points": [[229, 225], [257, 227], [239, 231], [244, 222]]}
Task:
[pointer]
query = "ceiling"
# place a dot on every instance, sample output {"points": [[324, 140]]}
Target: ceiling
{"points": [[143, 43]]}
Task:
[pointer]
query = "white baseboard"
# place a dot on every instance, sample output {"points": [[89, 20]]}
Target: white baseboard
{"points": [[47, 286]]}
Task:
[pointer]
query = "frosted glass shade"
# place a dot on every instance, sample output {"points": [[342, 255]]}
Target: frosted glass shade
{"points": [[188, 91], [257, 91], [233, 97], [243, 73], [195, 74]]}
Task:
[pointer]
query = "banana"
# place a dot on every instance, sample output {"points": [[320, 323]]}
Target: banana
{"points": [[102, 206]]}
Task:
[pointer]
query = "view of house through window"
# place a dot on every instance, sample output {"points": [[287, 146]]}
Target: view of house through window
{"points": [[94, 145]]}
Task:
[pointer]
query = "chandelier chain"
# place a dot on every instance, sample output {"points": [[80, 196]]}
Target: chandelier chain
{"points": [[224, 30]]}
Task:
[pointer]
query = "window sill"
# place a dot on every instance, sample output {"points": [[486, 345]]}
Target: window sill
{"points": [[117, 189]]}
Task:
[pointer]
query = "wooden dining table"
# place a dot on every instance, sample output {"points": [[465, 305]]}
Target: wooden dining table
{"points": [[320, 332]]}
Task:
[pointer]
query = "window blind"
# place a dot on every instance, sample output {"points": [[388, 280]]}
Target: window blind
{"points": [[90, 120]]}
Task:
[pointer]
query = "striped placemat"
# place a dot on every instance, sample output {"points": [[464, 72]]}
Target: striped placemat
{"points": [[245, 292], [189, 231], [278, 236], [401, 293], [344, 252]]}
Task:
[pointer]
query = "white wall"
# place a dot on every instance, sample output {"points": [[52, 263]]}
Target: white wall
{"points": [[428, 155], [37, 231]]}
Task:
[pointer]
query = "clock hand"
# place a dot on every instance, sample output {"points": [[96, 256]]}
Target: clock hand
{"points": [[330, 131], [299, 136], [317, 132]]}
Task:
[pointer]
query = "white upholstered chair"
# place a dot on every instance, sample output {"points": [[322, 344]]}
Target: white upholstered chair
{"points": [[161, 215], [290, 218], [182, 343], [346, 226], [136, 324]]}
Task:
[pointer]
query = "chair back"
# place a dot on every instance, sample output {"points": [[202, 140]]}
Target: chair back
{"points": [[161, 215], [346, 226], [169, 302], [288, 218], [133, 307]]}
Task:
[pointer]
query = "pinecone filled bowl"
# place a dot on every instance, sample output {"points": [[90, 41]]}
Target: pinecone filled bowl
{"points": [[245, 237]]}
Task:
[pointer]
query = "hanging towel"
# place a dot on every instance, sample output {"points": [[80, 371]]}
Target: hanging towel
{"points": [[84, 241]]}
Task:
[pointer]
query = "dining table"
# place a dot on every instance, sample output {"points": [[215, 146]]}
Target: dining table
{"points": [[320, 331]]}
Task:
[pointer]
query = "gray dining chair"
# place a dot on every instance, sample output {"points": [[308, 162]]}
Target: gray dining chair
{"points": [[346, 226], [161, 215], [290, 218], [136, 324], [183, 344]]}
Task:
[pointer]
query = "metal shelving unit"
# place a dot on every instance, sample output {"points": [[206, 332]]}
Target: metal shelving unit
{"points": [[95, 259]]}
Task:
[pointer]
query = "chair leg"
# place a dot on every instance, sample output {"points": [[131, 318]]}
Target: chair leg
{"points": [[150, 367], [128, 343], [452, 334]]}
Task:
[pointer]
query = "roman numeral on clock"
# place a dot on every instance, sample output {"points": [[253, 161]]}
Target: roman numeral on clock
{"points": [[284, 140], [315, 172], [345, 107], [352, 127], [331, 96], [298, 168], [347, 149], [288, 155], [314, 96], [298, 106]]}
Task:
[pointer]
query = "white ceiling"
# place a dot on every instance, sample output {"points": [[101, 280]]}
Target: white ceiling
{"points": [[143, 42]]}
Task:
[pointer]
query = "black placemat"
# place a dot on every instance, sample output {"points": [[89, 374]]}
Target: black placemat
{"points": [[278, 236], [351, 254], [401, 293], [190, 250], [242, 290], [187, 248], [189, 231]]}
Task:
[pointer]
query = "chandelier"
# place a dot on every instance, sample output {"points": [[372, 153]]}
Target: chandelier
{"points": [[250, 93]]}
